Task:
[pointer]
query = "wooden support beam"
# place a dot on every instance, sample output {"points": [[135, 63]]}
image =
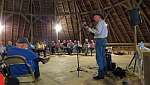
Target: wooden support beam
{"points": [[128, 26], [1, 16], [115, 39], [145, 17], [31, 22], [117, 30], [71, 21], [146, 64], [144, 21], [19, 19], [83, 4], [12, 37], [126, 44], [1, 9], [18, 13], [91, 8], [66, 22], [78, 18]]}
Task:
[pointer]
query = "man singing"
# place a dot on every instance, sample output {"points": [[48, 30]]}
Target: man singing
{"points": [[100, 35]]}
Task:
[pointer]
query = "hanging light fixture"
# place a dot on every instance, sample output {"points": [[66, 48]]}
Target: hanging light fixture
{"points": [[58, 27]]}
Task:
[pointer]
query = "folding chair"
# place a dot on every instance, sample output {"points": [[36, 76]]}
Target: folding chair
{"points": [[15, 60]]}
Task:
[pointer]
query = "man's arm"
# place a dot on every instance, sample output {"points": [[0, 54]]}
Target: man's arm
{"points": [[99, 29], [92, 30]]}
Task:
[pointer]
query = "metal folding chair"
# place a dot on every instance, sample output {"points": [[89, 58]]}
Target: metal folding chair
{"points": [[13, 60]]}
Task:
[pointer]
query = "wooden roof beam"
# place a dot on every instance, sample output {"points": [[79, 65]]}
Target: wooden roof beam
{"points": [[113, 32], [66, 22], [93, 11], [117, 29], [19, 19], [78, 18], [71, 20]]}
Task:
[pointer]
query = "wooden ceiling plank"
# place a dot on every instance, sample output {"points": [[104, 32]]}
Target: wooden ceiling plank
{"points": [[12, 38], [125, 34], [78, 18], [119, 40], [66, 23], [19, 19], [71, 21], [82, 3]]}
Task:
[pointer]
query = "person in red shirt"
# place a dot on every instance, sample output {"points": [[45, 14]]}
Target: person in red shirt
{"points": [[2, 79]]}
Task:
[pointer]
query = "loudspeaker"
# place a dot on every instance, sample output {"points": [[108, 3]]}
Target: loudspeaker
{"points": [[135, 17]]}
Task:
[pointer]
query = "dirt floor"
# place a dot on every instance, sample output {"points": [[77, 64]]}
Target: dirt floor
{"points": [[61, 70]]}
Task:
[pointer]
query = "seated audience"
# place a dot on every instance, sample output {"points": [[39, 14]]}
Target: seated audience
{"points": [[91, 46], [53, 44]]}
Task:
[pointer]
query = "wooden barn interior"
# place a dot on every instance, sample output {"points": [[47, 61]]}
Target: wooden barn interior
{"points": [[51, 22]]}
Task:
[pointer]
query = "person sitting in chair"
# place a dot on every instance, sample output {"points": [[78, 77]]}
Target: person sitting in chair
{"points": [[22, 49], [41, 48]]}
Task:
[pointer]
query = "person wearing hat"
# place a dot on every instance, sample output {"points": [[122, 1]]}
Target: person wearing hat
{"points": [[22, 48], [100, 35]]}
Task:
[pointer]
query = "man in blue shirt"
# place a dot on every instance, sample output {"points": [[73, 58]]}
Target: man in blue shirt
{"points": [[22, 49], [100, 35]]}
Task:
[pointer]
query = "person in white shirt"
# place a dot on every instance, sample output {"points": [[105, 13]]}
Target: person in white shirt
{"points": [[100, 35]]}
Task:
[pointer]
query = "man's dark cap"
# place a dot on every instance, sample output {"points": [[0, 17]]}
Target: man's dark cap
{"points": [[22, 40]]}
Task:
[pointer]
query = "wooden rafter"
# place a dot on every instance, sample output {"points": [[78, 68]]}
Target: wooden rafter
{"points": [[71, 21], [78, 18], [83, 4], [125, 34], [115, 39], [19, 19], [1, 15], [66, 22], [12, 39], [124, 29], [108, 15], [121, 39]]}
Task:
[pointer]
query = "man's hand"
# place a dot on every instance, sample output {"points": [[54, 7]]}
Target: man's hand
{"points": [[89, 29], [86, 27]]}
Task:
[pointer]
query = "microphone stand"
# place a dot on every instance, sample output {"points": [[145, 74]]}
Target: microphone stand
{"points": [[79, 69]]}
